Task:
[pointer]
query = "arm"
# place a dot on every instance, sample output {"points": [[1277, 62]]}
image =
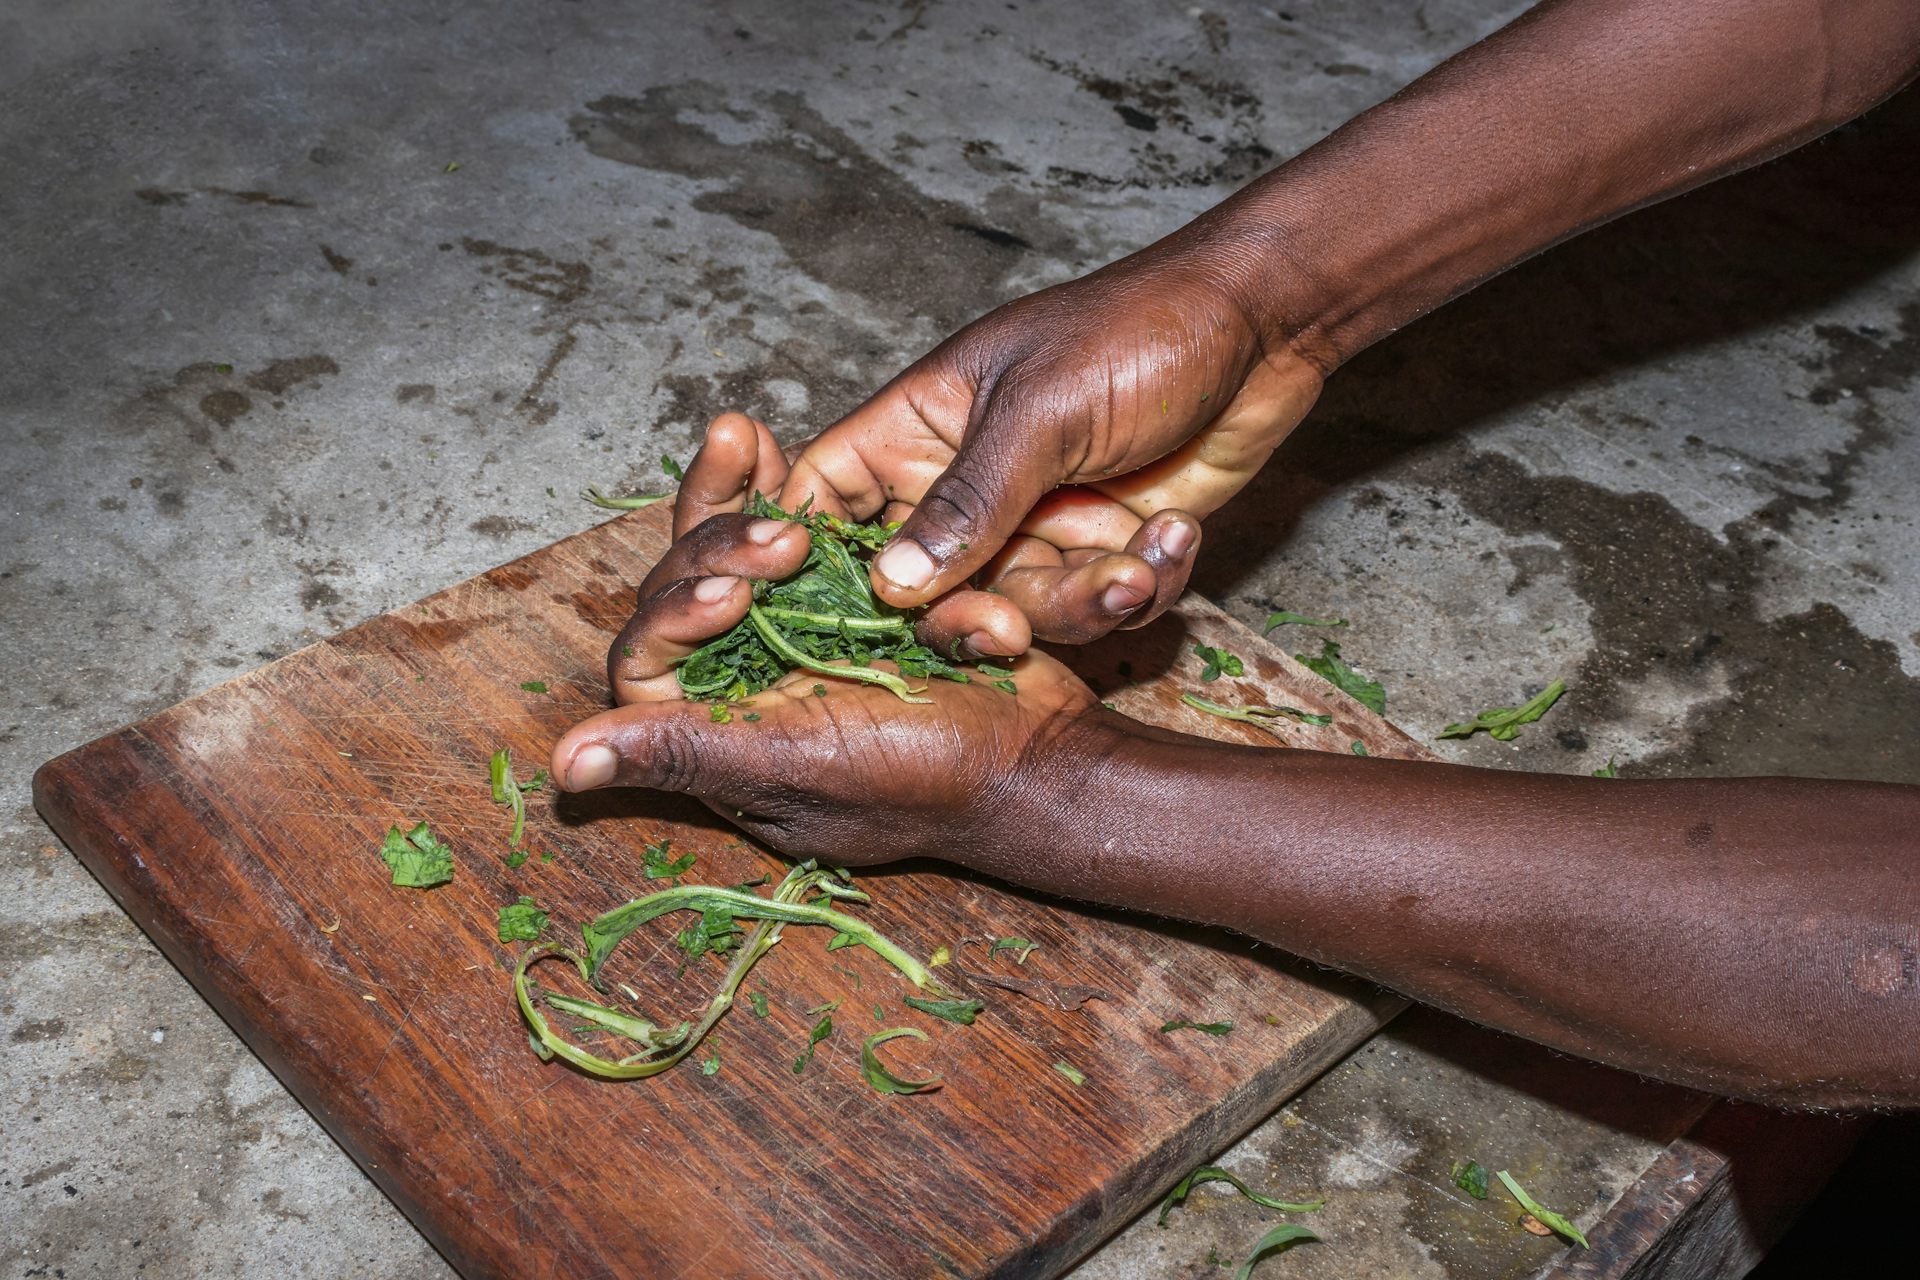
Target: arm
{"points": [[1757, 937]]}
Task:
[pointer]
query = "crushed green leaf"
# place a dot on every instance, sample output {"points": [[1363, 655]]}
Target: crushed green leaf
{"points": [[1074, 1075], [1214, 1173], [1284, 1236], [711, 1066], [534, 686], [1258, 717], [1471, 1177], [1359, 747], [823, 618], [876, 1072], [418, 859], [1219, 663], [517, 858], [1608, 771], [658, 863], [1329, 667], [1287, 617], [1211, 1028], [821, 1030], [1503, 723], [758, 1000], [1019, 946], [960, 1011], [521, 921], [1546, 1217], [508, 792], [675, 472]]}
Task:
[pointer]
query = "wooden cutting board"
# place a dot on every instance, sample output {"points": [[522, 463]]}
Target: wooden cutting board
{"points": [[241, 829]]}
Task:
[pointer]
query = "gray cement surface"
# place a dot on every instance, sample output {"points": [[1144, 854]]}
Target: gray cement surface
{"points": [[307, 310]]}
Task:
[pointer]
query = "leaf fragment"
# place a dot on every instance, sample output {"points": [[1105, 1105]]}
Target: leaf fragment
{"points": [[658, 863], [1607, 771], [1471, 1177], [1287, 617], [876, 1072], [1284, 1236], [417, 859], [1547, 1217], [521, 921], [1214, 1173], [1330, 667], [1218, 663], [1211, 1028], [960, 1011], [1503, 723], [1019, 946], [1074, 1075]]}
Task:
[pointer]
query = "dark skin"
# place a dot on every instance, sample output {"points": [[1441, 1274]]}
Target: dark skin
{"points": [[1756, 937]]}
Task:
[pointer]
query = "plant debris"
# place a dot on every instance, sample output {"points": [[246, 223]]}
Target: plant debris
{"points": [[521, 921], [1211, 1028], [1064, 996], [1258, 717], [637, 501], [960, 1011], [1074, 1075], [510, 793], [824, 618], [1286, 617], [1329, 667], [876, 1072], [1546, 1217], [1281, 1237], [418, 859], [1607, 771], [821, 1030], [1019, 946], [1219, 663], [657, 862], [1503, 723], [1471, 1177], [799, 898], [1214, 1173]]}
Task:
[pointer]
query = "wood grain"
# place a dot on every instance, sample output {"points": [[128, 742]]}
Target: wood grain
{"points": [[241, 828]]}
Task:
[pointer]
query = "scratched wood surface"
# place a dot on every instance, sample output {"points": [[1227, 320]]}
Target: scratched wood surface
{"points": [[241, 828]]}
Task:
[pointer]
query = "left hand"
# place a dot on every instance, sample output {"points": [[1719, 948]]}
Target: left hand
{"points": [[855, 775]]}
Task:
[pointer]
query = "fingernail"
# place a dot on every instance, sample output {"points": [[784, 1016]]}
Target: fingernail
{"points": [[1119, 598], [592, 767], [985, 642], [713, 590], [905, 563], [761, 532], [1177, 539]]}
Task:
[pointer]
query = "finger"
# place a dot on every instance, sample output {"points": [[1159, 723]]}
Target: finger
{"points": [[1075, 606], [647, 744], [738, 458], [963, 624], [970, 510], [1076, 516], [737, 544], [669, 625], [1169, 544]]}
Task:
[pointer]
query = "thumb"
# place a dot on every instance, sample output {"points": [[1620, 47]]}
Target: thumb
{"points": [[965, 516], [665, 745]]}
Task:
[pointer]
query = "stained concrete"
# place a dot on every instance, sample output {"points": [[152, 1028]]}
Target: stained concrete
{"points": [[312, 309]]}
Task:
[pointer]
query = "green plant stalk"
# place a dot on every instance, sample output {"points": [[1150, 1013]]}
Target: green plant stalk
{"points": [[782, 646], [840, 622], [1259, 717]]}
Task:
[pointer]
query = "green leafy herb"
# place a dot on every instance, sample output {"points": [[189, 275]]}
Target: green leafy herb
{"points": [[1258, 717], [821, 1030], [1281, 1237], [1608, 771], [711, 1067], [521, 921], [988, 669], [879, 1014], [632, 502], [720, 713], [819, 691], [1007, 686], [1286, 617], [1359, 747], [1503, 723], [1219, 663], [960, 1011], [1211, 1028], [758, 1000], [658, 863], [1329, 667], [517, 858], [510, 793], [1547, 1217], [534, 686], [876, 1072], [1073, 1074], [840, 940], [1471, 1177], [1214, 1173], [675, 472], [823, 618], [417, 858], [828, 1007], [1019, 946], [796, 900]]}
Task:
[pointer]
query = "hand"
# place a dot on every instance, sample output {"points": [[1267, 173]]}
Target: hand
{"points": [[855, 775], [1150, 383]]}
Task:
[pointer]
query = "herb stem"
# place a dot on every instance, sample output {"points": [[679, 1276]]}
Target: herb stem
{"points": [[785, 648], [840, 622]]}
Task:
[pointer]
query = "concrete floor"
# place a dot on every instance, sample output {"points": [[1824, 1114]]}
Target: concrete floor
{"points": [[271, 363]]}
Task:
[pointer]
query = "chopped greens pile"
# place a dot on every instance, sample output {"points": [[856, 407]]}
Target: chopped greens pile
{"points": [[1503, 723], [823, 615]]}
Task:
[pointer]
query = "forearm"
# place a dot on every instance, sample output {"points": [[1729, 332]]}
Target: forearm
{"points": [[1579, 111], [1753, 937]]}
